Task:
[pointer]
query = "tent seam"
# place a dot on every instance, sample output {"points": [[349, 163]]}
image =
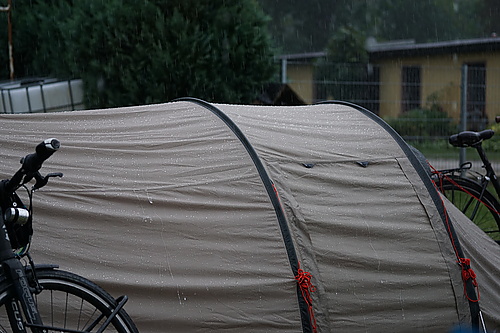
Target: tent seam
{"points": [[448, 268]]}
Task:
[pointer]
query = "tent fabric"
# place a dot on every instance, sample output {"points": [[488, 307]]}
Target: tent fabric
{"points": [[475, 247], [203, 215]]}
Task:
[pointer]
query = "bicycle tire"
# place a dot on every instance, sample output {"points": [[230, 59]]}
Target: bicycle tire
{"points": [[69, 303], [464, 194]]}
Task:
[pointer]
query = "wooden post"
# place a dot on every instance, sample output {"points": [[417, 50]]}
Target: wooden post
{"points": [[8, 9]]}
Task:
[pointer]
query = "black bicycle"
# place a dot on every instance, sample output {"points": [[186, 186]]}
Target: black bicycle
{"points": [[469, 190], [42, 298]]}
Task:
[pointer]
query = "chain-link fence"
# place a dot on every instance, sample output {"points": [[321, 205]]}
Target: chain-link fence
{"points": [[424, 104]]}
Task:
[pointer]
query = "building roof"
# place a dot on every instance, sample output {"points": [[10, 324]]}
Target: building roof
{"points": [[407, 48], [410, 48], [302, 58]]}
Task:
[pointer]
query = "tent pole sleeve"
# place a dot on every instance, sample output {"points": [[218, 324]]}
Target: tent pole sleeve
{"points": [[470, 289], [273, 196]]}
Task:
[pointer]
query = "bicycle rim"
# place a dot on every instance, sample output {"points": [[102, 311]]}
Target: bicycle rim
{"points": [[483, 211], [69, 303]]}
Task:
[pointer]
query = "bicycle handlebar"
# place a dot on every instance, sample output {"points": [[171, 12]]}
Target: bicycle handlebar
{"points": [[31, 163]]}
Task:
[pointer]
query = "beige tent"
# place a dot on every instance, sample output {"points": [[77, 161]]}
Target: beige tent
{"points": [[216, 218]]}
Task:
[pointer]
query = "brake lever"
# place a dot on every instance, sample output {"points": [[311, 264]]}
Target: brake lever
{"points": [[42, 181]]}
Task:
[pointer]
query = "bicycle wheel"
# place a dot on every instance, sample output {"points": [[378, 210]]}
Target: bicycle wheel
{"points": [[70, 303], [464, 194]]}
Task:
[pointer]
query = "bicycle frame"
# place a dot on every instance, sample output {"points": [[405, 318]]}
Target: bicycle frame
{"points": [[14, 271], [490, 173], [468, 139]]}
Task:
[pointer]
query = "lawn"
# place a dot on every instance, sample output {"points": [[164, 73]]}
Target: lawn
{"points": [[441, 149], [442, 155]]}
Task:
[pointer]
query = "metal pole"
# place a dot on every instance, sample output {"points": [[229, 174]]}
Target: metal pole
{"points": [[284, 65], [463, 109]]}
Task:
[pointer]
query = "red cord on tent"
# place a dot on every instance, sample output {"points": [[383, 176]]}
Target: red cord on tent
{"points": [[467, 272], [303, 278]]}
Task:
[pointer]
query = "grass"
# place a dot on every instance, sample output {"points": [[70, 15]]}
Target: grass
{"points": [[441, 149]]}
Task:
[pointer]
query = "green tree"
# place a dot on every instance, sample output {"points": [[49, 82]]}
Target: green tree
{"points": [[37, 36], [129, 52], [298, 25], [347, 45], [425, 21], [490, 16], [302, 26], [345, 73]]}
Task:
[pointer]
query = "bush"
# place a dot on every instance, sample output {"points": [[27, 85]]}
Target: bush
{"points": [[493, 144], [423, 123]]}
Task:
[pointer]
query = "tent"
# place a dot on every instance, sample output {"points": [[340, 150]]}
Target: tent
{"points": [[233, 218]]}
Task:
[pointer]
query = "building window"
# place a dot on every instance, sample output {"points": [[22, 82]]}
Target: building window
{"points": [[411, 79], [476, 97]]}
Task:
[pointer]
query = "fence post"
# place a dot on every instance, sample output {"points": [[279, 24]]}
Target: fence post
{"points": [[284, 65], [463, 109]]}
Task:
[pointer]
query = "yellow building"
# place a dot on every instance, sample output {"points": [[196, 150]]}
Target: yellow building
{"points": [[412, 75], [419, 75]]}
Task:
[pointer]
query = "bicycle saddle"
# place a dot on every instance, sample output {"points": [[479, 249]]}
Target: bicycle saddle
{"points": [[469, 138]]}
